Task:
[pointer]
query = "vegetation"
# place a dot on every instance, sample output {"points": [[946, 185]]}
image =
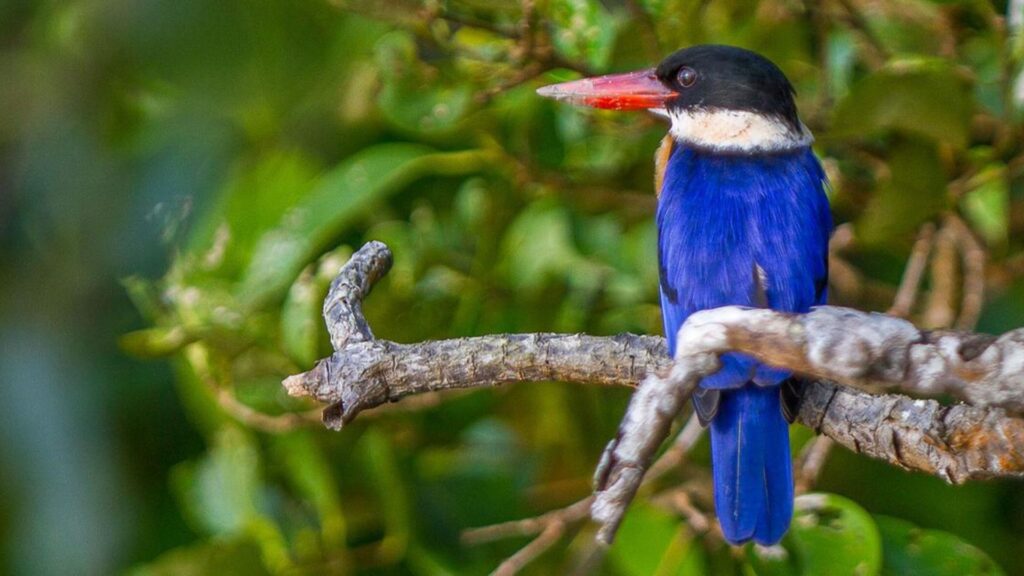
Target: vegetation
{"points": [[223, 159]]}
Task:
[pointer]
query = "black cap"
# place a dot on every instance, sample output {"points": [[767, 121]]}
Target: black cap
{"points": [[717, 77]]}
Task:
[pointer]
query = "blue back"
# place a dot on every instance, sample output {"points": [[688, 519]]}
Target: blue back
{"points": [[720, 218]]}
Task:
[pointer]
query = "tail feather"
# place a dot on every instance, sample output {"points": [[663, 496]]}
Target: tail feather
{"points": [[751, 465]]}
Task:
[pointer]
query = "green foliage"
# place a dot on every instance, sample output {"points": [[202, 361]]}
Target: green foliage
{"points": [[911, 551], [830, 535], [833, 535], [224, 158], [652, 541], [925, 96]]}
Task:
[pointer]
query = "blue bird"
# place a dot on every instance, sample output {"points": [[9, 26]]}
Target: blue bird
{"points": [[743, 219]]}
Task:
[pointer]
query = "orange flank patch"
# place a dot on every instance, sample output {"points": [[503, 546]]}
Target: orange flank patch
{"points": [[661, 162]]}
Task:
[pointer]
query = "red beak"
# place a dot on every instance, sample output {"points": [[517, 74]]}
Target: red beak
{"points": [[638, 90]]}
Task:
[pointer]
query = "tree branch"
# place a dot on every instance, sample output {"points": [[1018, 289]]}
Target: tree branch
{"points": [[862, 351]]}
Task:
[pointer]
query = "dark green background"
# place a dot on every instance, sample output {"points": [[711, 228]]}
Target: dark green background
{"points": [[173, 173]]}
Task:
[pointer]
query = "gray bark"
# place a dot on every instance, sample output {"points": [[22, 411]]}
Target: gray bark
{"points": [[865, 355]]}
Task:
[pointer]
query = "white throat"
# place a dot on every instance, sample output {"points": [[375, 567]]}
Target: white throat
{"points": [[735, 131]]}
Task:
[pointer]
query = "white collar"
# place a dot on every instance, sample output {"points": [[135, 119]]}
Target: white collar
{"points": [[734, 130]]}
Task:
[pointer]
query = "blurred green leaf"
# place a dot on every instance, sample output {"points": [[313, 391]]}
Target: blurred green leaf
{"points": [[342, 195], [912, 551], [300, 329], [925, 96], [220, 557], [250, 203], [987, 204], [538, 246], [155, 342], [651, 541], [382, 466], [829, 535], [221, 490], [415, 98], [583, 30], [911, 191], [221, 493], [309, 471]]}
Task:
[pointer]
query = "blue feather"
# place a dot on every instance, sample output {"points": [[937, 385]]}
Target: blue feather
{"points": [[748, 230]]}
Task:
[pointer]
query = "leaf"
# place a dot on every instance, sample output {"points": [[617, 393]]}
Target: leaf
{"points": [[308, 470], [342, 195], [583, 30], [219, 491], [221, 494], [651, 541], [538, 246], [415, 97], [912, 191], [227, 558], [912, 551], [987, 205], [381, 466], [155, 342], [829, 535], [250, 202], [921, 95]]}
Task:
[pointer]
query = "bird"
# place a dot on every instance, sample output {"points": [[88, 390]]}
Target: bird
{"points": [[743, 219]]}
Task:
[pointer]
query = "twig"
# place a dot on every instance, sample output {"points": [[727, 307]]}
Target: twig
{"points": [[465, 20], [913, 272], [678, 498], [811, 461], [198, 358], [869, 351], [547, 538], [973, 259], [570, 514], [939, 311], [814, 455], [1015, 265]]}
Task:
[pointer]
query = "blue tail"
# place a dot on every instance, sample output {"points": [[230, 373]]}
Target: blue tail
{"points": [[751, 464]]}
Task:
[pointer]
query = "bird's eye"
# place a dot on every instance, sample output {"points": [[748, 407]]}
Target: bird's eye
{"points": [[686, 76]]}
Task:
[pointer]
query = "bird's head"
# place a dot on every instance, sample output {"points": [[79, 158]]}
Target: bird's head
{"points": [[717, 97]]}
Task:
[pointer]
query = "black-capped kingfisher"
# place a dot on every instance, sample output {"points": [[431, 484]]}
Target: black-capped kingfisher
{"points": [[743, 219]]}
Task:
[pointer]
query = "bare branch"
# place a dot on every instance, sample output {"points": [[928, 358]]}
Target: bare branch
{"points": [[974, 257], [872, 352], [528, 526], [343, 308], [546, 539], [956, 443], [868, 351], [646, 424], [811, 461], [913, 272]]}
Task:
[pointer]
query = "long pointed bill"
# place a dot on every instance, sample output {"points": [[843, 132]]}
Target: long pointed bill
{"points": [[638, 90]]}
